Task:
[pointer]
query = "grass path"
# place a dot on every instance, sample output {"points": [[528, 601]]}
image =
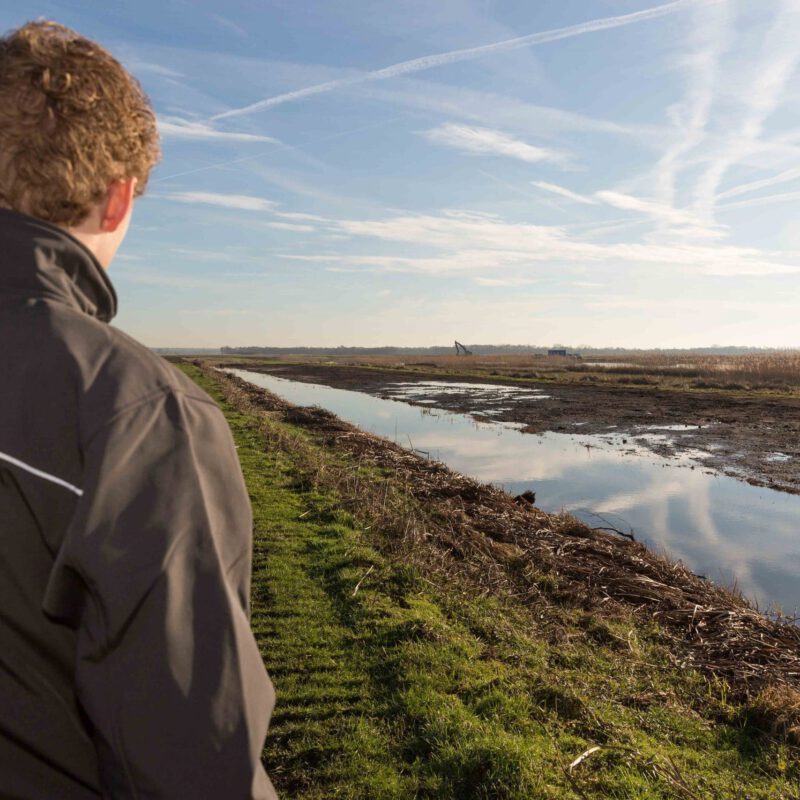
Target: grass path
{"points": [[392, 687]]}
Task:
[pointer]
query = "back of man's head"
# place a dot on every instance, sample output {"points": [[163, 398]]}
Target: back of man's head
{"points": [[72, 122]]}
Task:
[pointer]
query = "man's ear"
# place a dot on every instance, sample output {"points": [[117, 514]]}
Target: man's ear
{"points": [[119, 202]]}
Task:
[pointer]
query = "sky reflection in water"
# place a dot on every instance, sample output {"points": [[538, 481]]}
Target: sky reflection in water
{"points": [[720, 527]]}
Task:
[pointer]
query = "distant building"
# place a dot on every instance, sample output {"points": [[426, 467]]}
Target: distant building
{"points": [[562, 353]]}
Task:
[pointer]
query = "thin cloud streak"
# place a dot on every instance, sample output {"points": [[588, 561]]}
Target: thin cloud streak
{"points": [[783, 197], [753, 186], [563, 192], [177, 128], [522, 192], [291, 226], [240, 202], [454, 56], [229, 24], [656, 211], [486, 141], [136, 66]]}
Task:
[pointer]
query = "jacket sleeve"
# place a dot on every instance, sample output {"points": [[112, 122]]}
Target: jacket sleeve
{"points": [[154, 575]]}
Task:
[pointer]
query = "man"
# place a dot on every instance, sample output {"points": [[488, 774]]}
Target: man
{"points": [[127, 664]]}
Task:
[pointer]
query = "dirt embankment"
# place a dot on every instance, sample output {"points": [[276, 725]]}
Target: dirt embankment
{"points": [[751, 438]]}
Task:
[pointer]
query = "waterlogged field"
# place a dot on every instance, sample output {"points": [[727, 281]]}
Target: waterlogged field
{"points": [[760, 372], [419, 650]]}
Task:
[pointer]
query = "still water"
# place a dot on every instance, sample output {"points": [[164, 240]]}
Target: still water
{"points": [[720, 527]]}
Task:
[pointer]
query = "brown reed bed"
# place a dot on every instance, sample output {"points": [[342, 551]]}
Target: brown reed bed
{"points": [[758, 371]]}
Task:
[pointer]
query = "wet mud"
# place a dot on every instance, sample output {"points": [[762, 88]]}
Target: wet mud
{"points": [[750, 438]]}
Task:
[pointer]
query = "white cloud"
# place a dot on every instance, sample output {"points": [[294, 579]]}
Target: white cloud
{"points": [[242, 202], [453, 56], [710, 38], [470, 243], [177, 128], [487, 141], [562, 192]]}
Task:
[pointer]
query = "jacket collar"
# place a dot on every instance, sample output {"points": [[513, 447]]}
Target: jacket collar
{"points": [[39, 259]]}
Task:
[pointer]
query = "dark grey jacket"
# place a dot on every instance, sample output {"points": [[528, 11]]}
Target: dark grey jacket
{"points": [[127, 664]]}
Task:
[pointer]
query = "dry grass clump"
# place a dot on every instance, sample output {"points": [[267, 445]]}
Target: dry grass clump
{"points": [[450, 524], [777, 710]]}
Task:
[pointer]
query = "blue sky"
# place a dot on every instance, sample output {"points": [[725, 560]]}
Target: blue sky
{"points": [[613, 172]]}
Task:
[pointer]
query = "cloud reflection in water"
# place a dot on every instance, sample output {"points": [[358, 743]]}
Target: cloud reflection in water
{"points": [[720, 527]]}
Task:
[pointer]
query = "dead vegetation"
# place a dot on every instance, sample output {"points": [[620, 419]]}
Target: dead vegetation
{"points": [[771, 372], [451, 525]]}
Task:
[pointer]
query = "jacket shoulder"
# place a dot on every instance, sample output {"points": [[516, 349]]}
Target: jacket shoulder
{"points": [[135, 371], [111, 370]]}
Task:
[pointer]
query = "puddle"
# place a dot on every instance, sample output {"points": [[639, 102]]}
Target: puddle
{"points": [[478, 392], [676, 428], [778, 457], [719, 526], [604, 364]]}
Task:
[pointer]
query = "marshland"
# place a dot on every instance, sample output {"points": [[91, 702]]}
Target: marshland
{"points": [[434, 634]]}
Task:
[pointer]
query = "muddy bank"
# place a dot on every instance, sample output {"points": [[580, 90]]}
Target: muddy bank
{"points": [[753, 439]]}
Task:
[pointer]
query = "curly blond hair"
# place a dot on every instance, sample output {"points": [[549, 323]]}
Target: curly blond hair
{"points": [[72, 121]]}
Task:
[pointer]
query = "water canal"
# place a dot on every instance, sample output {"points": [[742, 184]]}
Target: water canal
{"points": [[720, 527]]}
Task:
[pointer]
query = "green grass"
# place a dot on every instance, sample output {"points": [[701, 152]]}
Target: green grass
{"points": [[390, 686]]}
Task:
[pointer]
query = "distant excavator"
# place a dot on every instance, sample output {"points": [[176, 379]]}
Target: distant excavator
{"points": [[461, 350]]}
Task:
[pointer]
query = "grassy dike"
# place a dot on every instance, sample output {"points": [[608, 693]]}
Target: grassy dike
{"points": [[395, 683]]}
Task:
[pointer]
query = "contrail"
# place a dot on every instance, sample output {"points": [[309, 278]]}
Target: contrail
{"points": [[744, 188], [440, 59]]}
